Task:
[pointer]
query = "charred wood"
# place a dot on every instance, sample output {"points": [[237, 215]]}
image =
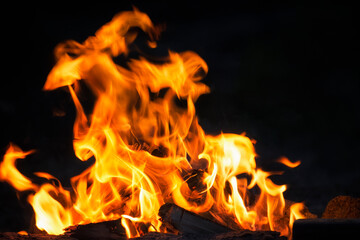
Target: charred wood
{"points": [[320, 228], [180, 220], [107, 230], [243, 234], [35, 236]]}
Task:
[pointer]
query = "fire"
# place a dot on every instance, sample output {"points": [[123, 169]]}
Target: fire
{"points": [[146, 145], [9, 172]]}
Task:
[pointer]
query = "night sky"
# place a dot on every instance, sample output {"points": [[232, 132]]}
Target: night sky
{"points": [[286, 74]]}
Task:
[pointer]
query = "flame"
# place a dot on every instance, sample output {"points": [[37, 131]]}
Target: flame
{"points": [[9, 172], [147, 147], [296, 213], [288, 163], [23, 233]]}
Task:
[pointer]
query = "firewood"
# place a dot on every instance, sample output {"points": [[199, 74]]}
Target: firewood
{"points": [[320, 228], [244, 234], [107, 230], [179, 219], [37, 236]]}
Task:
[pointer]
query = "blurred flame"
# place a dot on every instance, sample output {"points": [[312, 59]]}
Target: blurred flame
{"points": [[22, 233], [288, 163], [145, 144]]}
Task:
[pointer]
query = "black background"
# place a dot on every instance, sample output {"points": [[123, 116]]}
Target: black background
{"points": [[285, 73]]}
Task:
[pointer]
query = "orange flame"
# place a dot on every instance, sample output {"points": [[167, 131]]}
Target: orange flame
{"points": [[22, 233], [295, 213], [288, 163], [142, 142], [9, 172]]}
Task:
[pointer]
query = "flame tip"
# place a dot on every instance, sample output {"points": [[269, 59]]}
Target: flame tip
{"points": [[285, 161]]}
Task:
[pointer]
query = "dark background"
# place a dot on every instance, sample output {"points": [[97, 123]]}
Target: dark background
{"points": [[286, 74]]}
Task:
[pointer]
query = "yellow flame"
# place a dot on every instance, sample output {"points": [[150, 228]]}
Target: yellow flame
{"points": [[50, 214]]}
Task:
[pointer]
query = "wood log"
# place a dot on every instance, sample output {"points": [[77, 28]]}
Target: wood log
{"points": [[181, 220], [35, 236], [108, 230], [320, 228], [243, 234]]}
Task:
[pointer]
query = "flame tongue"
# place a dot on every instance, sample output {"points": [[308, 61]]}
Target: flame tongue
{"points": [[142, 141]]}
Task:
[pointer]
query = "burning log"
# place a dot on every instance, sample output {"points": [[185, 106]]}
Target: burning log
{"points": [[38, 236], [191, 226], [245, 234], [320, 228], [107, 230], [103, 230], [179, 219]]}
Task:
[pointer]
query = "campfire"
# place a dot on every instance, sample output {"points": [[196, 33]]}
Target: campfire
{"points": [[155, 168]]}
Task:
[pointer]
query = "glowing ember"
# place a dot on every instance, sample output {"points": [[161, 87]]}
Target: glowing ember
{"points": [[145, 144]]}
